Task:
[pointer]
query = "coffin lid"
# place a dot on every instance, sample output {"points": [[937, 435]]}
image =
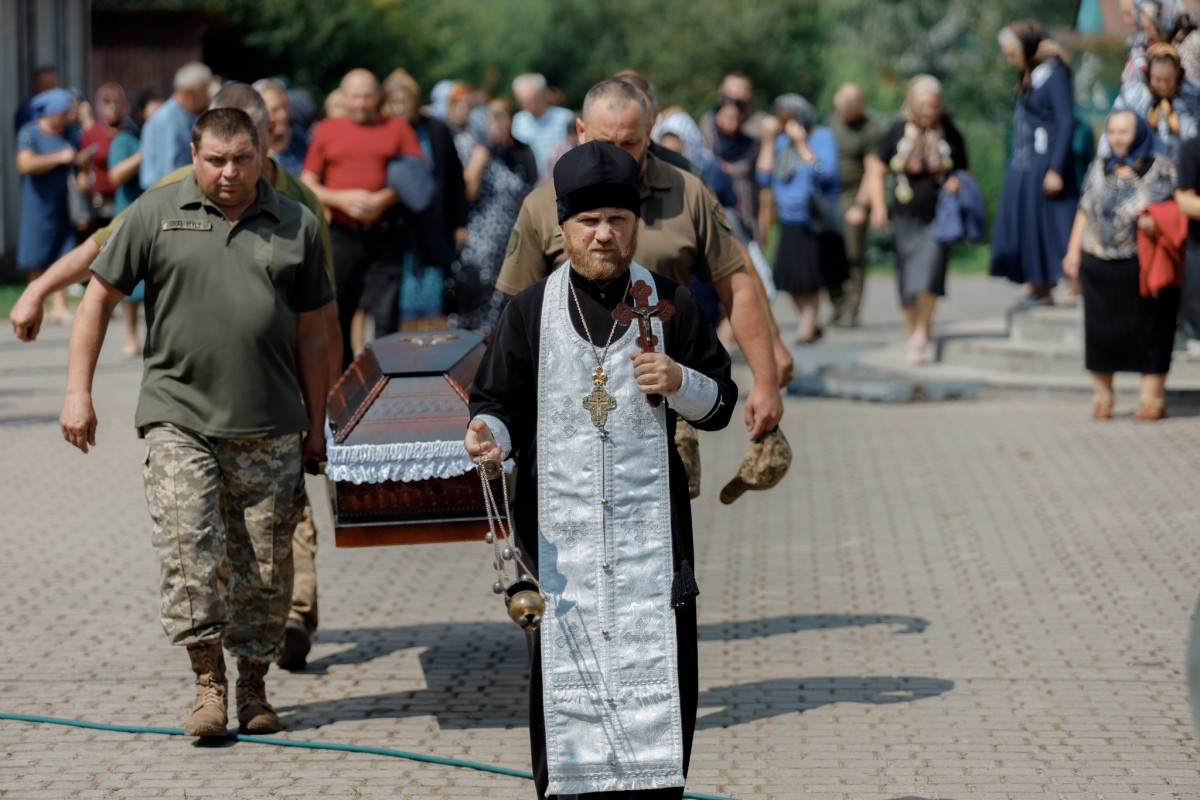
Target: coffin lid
{"points": [[406, 387]]}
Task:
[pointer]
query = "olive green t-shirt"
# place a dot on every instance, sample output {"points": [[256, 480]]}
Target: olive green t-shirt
{"points": [[855, 142], [221, 307]]}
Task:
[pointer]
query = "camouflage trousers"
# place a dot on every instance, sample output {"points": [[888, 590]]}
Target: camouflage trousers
{"points": [[224, 499], [304, 570]]}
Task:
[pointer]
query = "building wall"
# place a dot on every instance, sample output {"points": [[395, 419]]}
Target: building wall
{"points": [[142, 50], [33, 33]]}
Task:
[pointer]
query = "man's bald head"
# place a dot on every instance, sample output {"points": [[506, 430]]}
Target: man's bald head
{"points": [[613, 95], [361, 90], [738, 86], [614, 112], [243, 97], [848, 102], [360, 79]]}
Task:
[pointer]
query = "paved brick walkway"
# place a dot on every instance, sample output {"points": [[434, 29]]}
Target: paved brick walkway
{"points": [[985, 599]]}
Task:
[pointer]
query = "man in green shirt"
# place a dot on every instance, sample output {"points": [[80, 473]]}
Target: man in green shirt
{"points": [[232, 402], [74, 267], [857, 140]]}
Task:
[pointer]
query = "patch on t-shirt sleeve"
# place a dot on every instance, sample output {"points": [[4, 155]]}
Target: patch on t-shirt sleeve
{"points": [[718, 212], [117, 224], [514, 241]]}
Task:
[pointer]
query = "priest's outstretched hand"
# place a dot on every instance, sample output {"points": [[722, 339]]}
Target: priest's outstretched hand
{"points": [[480, 444]]}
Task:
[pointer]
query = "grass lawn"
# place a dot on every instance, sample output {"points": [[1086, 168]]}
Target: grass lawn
{"points": [[9, 292]]}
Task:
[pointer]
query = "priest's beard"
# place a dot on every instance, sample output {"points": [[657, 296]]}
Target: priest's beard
{"points": [[600, 266]]}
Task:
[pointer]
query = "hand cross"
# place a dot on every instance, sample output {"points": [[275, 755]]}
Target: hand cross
{"points": [[643, 311]]}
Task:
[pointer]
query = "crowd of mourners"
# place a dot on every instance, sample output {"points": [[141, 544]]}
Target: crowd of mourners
{"points": [[421, 197]]}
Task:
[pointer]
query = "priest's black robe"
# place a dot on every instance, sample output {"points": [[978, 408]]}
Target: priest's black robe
{"points": [[505, 387]]}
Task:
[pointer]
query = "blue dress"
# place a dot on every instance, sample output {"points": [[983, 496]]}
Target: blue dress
{"points": [[1029, 237], [46, 232]]}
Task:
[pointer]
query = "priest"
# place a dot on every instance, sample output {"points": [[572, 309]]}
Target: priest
{"points": [[583, 381]]}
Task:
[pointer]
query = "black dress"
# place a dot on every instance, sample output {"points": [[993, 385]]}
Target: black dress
{"points": [[1123, 331], [1128, 332]]}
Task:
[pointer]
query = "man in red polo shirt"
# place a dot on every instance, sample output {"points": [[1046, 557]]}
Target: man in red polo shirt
{"points": [[346, 167]]}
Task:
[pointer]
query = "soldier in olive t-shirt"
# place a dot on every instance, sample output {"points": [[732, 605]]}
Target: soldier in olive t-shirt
{"points": [[232, 401]]}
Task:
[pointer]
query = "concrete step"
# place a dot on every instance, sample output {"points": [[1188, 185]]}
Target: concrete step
{"points": [[1038, 357], [1007, 355], [1184, 377], [1062, 326]]}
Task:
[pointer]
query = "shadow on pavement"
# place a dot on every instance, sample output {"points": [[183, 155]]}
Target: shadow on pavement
{"points": [[749, 702], [30, 419], [476, 674], [797, 623]]}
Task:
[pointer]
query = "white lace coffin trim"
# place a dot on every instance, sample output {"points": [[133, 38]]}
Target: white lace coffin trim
{"points": [[403, 461]]}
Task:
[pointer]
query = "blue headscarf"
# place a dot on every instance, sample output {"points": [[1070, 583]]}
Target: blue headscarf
{"points": [[1146, 145], [51, 101]]}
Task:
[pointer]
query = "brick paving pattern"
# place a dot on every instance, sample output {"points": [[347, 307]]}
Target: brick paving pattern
{"points": [[983, 599]]}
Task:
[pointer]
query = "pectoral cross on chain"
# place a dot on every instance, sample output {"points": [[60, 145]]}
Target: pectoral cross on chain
{"points": [[643, 311], [599, 402]]}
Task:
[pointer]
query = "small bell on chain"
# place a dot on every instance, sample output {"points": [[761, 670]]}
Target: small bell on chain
{"points": [[525, 604], [491, 469]]}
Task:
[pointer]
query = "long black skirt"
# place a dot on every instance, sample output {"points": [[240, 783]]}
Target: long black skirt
{"points": [[806, 263], [1123, 331]]}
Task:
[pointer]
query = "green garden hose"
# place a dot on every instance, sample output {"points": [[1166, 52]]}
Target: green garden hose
{"points": [[347, 748]]}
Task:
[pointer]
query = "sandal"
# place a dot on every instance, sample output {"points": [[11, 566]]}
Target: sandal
{"points": [[1151, 411]]}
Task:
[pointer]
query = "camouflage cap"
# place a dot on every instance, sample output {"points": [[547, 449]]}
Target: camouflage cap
{"points": [[765, 464]]}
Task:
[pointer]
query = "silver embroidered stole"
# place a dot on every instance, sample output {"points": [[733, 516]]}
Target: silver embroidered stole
{"points": [[609, 660]]}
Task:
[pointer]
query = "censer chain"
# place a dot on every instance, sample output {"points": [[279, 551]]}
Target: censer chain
{"points": [[501, 530]]}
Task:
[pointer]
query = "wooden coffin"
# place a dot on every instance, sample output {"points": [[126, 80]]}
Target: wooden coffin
{"points": [[405, 392]]}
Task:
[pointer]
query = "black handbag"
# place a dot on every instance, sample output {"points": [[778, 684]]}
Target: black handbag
{"points": [[822, 216]]}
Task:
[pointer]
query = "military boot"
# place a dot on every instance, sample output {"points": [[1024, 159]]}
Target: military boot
{"points": [[255, 714], [209, 716]]}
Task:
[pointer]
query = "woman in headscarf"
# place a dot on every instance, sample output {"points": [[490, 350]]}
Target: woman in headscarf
{"points": [[1167, 99], [1123, 331], [1187, 39], [1157, 21], [677, 131], [920, 153], [798, 162], [736, 153], [1037, 205]]}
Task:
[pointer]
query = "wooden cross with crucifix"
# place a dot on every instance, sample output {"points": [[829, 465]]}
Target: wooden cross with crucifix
{"points": [[643, 311]]}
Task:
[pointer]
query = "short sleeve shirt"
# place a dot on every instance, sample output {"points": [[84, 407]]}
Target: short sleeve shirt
{"points": [[682, 232], [222, 303], [124, 144], [347, 155], [855, 142]]}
